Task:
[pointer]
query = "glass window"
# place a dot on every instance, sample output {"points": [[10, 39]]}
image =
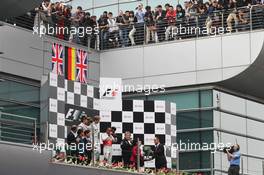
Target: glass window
{"points": [[19, 99], [206, 119], [194, 160], [184, 100], [188, 120], [19, 109], [10, 90], [195, 137], [207, 98], [188, 137], [16, 124], [189, 160], [197, 119]]}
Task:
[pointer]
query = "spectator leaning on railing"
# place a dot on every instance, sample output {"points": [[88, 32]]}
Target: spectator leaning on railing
{"points": [[122, 22], [139, 14], [151, 34], [160, 15], [103, 27], [171, 19], [132, 28]]}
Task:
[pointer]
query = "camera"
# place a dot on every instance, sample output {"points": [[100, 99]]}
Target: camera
{"points": [[230, 149]]}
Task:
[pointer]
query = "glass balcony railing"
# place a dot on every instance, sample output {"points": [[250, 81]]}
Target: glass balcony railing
{"points": [[116, 35]]}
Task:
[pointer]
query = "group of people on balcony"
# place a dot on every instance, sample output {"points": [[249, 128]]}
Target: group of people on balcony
{"points": [[145, 25], [85, 143]]}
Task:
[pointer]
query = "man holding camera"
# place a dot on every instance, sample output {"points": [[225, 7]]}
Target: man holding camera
{"points": [[233, 156]]}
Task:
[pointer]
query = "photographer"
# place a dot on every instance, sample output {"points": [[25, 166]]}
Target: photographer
{"points": [[233, 156]]}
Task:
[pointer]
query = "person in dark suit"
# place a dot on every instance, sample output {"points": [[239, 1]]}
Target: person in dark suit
{"points": [[71, 140], [71, 137], [126, 146], [159, 155]]}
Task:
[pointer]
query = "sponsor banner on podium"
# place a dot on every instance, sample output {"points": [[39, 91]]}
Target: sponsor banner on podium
{"points": [[111, 94]]}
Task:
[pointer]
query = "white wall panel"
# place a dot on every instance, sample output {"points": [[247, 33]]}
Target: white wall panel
{"points": [[233, 123], [232, 103], [236, 50], [211, 58], [255, 110], [255, 147], [125, 63], [254, 166], [257, 39], [217, 119], [169, 58], [233, 71], [255, 128], [172, 80], [209, 75]]}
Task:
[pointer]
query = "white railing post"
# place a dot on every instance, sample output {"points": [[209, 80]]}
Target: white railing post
{"points": [[212, 163], [242, 166], [178, 161], [138, 155], [47, 132], [93, 146], [250, 16], [35, 131], [262, 167]]}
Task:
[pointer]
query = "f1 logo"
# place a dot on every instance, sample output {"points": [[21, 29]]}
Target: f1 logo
{"points": [[110, 93]]}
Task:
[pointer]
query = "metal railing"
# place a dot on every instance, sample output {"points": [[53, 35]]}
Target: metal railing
{"points": [[19, 129], [130, 34]]}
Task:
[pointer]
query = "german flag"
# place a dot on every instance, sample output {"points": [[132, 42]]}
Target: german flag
{"points": [[70, 63]]}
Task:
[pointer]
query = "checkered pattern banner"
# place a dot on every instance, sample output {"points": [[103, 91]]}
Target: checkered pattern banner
{"points": [[67, 100], [145, 120]]}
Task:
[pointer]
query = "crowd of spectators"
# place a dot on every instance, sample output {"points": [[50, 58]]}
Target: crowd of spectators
{"points": [[145, 24]]}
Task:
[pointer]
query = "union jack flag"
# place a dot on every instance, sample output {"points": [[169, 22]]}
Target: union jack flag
{"points": [[57, 59], [82, 66]]}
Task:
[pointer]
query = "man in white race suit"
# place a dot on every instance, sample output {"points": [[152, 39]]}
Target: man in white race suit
{"points": [[95, 127]]}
